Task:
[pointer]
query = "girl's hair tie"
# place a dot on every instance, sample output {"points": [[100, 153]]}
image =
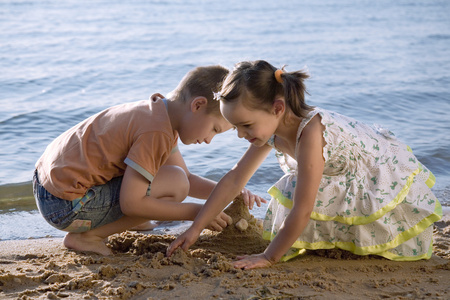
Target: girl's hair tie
{"points": [[278, 75], [217, 96]]}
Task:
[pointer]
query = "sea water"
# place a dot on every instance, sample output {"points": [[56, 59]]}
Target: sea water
{"points": [[384, 62]]}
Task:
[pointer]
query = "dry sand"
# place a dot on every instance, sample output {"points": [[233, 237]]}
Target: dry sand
{"points": [[44, 269]]}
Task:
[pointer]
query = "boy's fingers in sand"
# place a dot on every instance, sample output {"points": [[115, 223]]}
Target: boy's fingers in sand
{"points": [[259, 200], [250, 199], [220, 222], [226, 217]]}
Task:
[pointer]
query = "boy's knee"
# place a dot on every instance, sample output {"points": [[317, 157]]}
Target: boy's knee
{"points": [[170, 181], [172, 174]]}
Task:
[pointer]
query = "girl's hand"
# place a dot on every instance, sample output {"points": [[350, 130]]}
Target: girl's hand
{"points": [[250, 199], [184, 241], [252, 261]]}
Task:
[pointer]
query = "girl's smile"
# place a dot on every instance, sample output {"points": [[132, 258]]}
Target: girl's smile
{"points": [[256, 125]]}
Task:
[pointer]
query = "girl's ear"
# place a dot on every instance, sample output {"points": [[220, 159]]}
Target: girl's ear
{"points": [[278, 107], [198, 103]]}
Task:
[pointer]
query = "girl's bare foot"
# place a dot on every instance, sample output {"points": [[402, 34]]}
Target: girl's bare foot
{"points": [[86, 242], [149, 225]]}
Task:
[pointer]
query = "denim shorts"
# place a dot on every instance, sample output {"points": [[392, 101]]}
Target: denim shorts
{"points": [[99, 206]]}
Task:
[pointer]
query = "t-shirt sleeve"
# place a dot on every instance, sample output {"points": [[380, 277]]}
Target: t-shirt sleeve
{"points": [[148, 153]]}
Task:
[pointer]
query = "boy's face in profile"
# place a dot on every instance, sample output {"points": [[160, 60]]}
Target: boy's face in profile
{"points": [[198, 126]]}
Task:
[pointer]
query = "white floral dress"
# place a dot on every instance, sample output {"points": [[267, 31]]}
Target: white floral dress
{"points": [[374, 196]]}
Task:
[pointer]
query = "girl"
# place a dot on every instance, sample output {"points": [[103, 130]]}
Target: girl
{"points": [[346, 185]]}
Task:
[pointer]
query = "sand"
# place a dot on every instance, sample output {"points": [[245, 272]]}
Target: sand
{"points": [[44, 269]]}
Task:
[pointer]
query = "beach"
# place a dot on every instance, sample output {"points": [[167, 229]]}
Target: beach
{"points": [[139, 269], [380, 62]]}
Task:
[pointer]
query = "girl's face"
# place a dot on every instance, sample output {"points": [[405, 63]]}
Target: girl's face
{"points": [[255, 125]]}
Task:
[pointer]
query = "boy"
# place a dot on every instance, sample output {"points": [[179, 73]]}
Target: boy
{"points": [[93, 180]]}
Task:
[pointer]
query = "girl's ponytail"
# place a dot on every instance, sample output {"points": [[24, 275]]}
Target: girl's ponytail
{"points": [[294, 90]]}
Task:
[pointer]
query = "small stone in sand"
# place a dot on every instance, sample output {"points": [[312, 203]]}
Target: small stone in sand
{"points": [[242, 224]]}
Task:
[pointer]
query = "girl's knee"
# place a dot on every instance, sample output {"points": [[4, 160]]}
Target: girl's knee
{"points": [[170, 181]]}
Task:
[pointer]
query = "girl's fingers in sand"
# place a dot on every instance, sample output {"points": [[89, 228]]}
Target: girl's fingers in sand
{"points": [[184, 241], [247, 262], [180, 241], [174, 245], [239, 257]]}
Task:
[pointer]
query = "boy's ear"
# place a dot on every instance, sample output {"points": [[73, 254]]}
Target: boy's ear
{"points": [[198, 103], [278, 107]]}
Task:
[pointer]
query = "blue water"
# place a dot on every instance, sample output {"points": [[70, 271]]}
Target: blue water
{"points": [[383, 62]]}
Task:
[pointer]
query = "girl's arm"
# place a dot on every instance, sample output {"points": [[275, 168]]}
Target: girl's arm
{"points": [[225, 191], [310, 169]]}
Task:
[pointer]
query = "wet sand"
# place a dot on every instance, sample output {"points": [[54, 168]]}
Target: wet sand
{"points": [[44, 269]]}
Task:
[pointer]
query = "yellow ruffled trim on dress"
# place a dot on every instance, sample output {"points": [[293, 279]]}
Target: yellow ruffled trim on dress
{"points": [[292, 254], [395, 257], [359, 220], [431, 178], [381, 249]]}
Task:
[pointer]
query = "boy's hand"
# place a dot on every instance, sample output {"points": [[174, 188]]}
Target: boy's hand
{"points": [[252, 261], [250, 199], [220, 222], [184, 241]]}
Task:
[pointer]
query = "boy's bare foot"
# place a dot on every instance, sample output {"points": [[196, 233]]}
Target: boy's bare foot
{"points": [[86, 242], [149, 225]]}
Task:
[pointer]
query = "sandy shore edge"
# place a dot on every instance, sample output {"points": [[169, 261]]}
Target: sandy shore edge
{"points": [[44, 269]]}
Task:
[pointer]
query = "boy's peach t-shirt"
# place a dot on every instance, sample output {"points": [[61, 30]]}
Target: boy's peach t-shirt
{"points": [[138, 134]]}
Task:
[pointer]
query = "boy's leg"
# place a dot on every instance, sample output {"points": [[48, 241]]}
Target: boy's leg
{"points": [[170, 183], [94, 240]]}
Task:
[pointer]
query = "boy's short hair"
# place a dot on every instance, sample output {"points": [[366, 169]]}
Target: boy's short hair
{"points": [[202, 82]]}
